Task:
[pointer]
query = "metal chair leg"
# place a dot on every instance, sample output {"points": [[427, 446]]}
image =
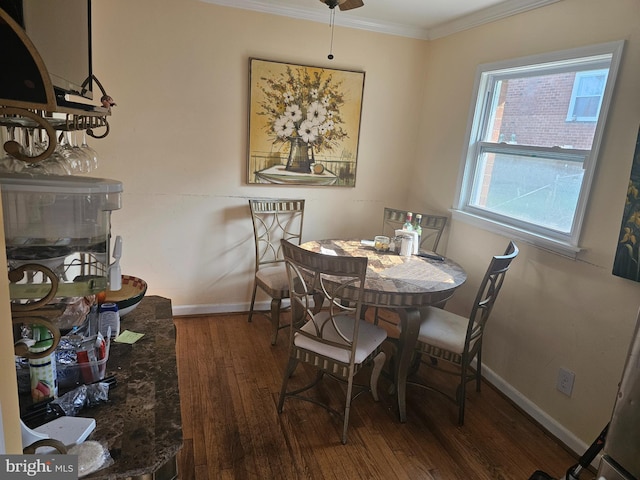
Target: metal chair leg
{"points": [[291, 366], [347, 410], [461, 395], [275, 319], [378, 363], [478, 369], [253, 300]]}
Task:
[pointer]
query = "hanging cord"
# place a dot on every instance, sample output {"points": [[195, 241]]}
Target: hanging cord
{"points": [[332, 22]]}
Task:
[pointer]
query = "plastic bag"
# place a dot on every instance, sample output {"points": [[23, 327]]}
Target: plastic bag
{"points": [[92, 456]]}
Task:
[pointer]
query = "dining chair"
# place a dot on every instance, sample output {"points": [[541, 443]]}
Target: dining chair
{"points": [[449, 342], [334, 340], [432, 226], [273, 220]]}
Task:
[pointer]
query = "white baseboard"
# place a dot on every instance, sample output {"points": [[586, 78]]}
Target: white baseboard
{"points": [[215, 308], [211, 308], [551, 425], [572, 442]]}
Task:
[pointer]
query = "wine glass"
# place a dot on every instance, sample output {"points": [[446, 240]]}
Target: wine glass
{"points": [[85, 161], [33, 143], [70, 155], [8, 163], [56, 164], [40, 140], [89, 151]]}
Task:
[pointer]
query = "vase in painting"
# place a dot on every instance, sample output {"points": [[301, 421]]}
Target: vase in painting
{"points": [[299, 160]]}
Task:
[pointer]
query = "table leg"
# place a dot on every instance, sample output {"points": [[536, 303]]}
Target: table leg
{"points": [[410, 322]]}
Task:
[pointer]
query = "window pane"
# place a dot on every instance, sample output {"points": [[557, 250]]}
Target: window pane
{"points": [[533, 111], [588, 92], [591, 84], [586, 107], [534, 190]]}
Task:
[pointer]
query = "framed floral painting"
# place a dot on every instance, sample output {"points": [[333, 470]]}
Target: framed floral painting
{"points": [[627, 260], [304, 124]]}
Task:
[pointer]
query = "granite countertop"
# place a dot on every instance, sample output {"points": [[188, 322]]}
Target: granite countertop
{"points": [[141, 425]]}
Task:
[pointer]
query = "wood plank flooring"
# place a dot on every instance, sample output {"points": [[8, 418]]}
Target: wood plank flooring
{"points": [[230, 377]]}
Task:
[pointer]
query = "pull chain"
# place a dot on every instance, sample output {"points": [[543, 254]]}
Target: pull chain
{"points": [[332, 22]]}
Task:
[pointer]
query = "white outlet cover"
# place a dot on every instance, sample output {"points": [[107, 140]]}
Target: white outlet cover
{"points": [[565, 381]]}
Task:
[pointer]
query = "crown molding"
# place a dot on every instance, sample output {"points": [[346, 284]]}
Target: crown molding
{"points": [[487, 15], [316, 14]]}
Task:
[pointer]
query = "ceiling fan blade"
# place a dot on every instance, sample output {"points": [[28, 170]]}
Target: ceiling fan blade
{"points": [[349, 4]]}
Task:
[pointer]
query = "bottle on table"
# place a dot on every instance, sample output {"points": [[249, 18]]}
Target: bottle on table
{"points": [[418, 228], [408, 224]]}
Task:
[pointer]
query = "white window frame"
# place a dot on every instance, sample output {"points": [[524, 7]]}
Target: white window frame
{"points": [[486, 75], [571, 117]]}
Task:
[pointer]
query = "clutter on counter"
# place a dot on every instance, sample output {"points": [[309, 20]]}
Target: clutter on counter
{"points": [[140, 425]]}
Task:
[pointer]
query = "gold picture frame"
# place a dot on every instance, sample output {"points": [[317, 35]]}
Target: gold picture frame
{"points": [[304, 124]]}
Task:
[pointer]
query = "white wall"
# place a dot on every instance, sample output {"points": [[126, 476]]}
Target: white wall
{"points": [[179, 73]]}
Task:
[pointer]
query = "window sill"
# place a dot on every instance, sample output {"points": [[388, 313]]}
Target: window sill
{"points": [[549, 244]]}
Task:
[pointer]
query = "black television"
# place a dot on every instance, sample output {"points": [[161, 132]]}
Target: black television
{"points": [[61, 32]]}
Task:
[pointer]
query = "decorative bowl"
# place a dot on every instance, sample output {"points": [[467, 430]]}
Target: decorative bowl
{"points": [[129, 296]]}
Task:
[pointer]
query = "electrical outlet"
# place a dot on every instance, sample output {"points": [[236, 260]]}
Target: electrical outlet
{"points": [[565, 381]]}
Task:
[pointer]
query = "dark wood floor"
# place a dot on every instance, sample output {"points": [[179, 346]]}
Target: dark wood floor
{"points": [[230, 378]]}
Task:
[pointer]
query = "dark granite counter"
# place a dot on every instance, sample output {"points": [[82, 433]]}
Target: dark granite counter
{"points": [[141, 425]]}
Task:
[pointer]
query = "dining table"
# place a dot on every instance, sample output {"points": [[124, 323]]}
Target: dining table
{"points": [[403, 284]]}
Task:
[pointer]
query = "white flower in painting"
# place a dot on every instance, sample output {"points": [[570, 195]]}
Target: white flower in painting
{"points": [[288, 97], [301, 105], [316, 112], [293, 112], [283, 127], [308, 131]]}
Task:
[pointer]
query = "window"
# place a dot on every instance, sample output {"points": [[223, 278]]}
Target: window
{"points": [[533, 137], [586, 97]]}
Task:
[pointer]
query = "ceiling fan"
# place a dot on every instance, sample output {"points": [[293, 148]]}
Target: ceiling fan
{"points": [[343, 4]]}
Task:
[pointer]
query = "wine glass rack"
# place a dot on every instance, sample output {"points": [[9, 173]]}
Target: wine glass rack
{"points": [[28, 100], [50, 122]]}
